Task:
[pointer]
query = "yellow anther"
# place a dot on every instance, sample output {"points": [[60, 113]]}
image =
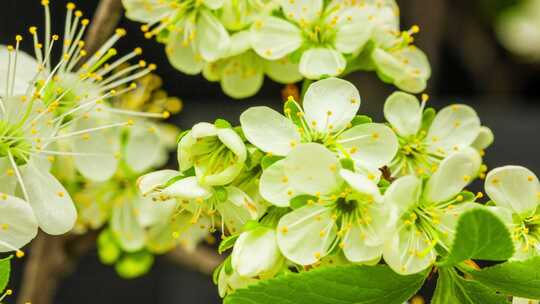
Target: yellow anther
{"points": [[138, 51], [459, 198], [130, 122], [55, 37], [85, 22], [70, 6], [415, 29], [32, 30], [44, 2], [19, 254], [18, 38], [152, 67], [166, 114], [284, 229], [9, 292], [78, 14], [120, 32]]}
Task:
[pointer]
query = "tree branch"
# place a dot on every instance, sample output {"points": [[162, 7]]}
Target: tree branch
{"points": [[104, 22], [50, 259], [203, 259]]}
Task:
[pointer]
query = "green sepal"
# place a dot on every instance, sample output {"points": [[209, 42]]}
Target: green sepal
{"points": [[269, 160], [361, 119], [181, 135], [5, 272], [291, 108], [302, 200], [220, 193], [427, 118], [222, 124], [347, 163], [227, 243]]}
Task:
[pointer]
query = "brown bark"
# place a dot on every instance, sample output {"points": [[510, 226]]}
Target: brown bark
{"points": [[104, 22], [49, 260]]}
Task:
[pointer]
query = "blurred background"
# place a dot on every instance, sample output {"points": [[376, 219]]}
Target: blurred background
{"points": [[485, 53]]}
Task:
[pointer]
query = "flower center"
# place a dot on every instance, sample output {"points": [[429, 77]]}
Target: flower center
{"points": [[212, 155], [528, 231], [14, 141], [413, 157], [319, 33]]}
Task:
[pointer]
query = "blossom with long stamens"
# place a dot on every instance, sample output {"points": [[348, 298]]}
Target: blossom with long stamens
{"points": [[428, 212], [55, 109], [190, 29], [426, 138]]}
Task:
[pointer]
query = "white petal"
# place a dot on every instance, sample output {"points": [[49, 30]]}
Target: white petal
{"points": [[221, 178], [269, 131], [149, 182], [52, 205], [302, 11], [275, 187], [184, 55], [187, 188], [151, 213], [212, 38], [331, 104], [371, 145], [233, 141], [356, 250], [8, 182], [453, 128], [177, 230], [241, 199], [27, 68], [403, 112], [142, 148], [203, 129], [125, 225], [240, 43], [362, 184], [404, 192], [101, 162], [185, 159], [282, 70], [213, 4], [19, 223], [319, 62], [407, 67], [243, 76], [311, 168], [516, 300], [255, 252], [234, 217], [353, 29], [453, 174], [148, 11], [408, 252], [305, 234], [274, 38], [514, 187], [484, 139]]}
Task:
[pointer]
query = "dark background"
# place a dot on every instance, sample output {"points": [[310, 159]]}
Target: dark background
{"points": [[469, 66]]}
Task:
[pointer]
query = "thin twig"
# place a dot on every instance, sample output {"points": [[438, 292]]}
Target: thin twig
{"points": [[104, 22]]}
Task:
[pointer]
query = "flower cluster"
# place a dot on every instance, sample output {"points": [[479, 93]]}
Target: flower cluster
{"points": [[56, 112], [320, 185], [238, 42]]}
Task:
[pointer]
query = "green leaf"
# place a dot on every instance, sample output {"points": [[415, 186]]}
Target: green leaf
{"points": [[227, 243], [480, 234], [332, 285], [452, 288], [269, 160], [301, 200], [361, 119], [517, 278], [5, 271]]}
